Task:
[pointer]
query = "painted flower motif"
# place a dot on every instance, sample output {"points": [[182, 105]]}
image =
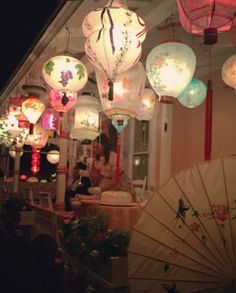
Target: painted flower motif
{"points": [[221, 212], [126, 84], [158, 62], [195, 227], [65, 77]]}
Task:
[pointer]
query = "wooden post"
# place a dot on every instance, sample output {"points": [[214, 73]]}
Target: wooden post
{"points": [[16, 171]]}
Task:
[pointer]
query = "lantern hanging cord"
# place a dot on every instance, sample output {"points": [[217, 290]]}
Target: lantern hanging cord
{"points": [[68, 39], [209, 61]]}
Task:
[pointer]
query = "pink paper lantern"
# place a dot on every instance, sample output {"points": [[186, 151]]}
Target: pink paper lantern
{"points": [[50, 119], [62, 102]]}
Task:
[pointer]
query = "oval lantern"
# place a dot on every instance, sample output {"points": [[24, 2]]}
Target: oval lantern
{"points": [[86, 121], [39, 137], [32, 108], [194, 94], [53, 156], [65, 73], [60, 102], [128, 88], [50, 119], [229, 71], [170, 67], [113, 55], [146, 108]]}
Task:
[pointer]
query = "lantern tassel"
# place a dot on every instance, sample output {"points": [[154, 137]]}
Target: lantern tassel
{"points": [[111, 90], [31, 128], [208, 121]]}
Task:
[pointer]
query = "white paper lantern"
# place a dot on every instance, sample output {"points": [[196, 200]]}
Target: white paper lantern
{"points": [[53, 156], [146, 108], [12, 152], [128, 88], [170, 67], [229, 71], [65, 73], [86, 121]]}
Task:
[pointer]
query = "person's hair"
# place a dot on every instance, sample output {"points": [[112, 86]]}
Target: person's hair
{"points": [[80, 166], [105, 142]]}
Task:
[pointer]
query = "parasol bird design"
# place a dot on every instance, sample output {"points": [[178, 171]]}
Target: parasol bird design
{"points": [[185, 239]]}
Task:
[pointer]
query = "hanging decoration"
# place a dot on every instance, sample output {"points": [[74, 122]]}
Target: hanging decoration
{"points": [[207, 17], [32, 108], [194, 94], [113, 40], [35, 160], [128, 88], [229, 71], [146, 108], [170, 67], [66, 74], [50, 119], [39, 137], [53, 156], [58, 102], [86, 121]]}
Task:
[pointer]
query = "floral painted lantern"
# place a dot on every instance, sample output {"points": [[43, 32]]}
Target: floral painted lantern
{"points": [[62, 102], [170, 67], [113, 39], [146, 108], [207, 17], [32, 108], [229, 71], [194, 94], [50, 119], [65, 73], [128, 88], [86, 121], [39, 137], [53, 156]]}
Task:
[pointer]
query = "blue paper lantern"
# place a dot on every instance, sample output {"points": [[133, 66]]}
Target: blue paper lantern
{"points": [[194, 94]]}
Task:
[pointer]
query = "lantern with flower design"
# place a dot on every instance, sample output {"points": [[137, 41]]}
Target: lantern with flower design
{"points": [[39, 137], [170, 67], [146, 106], [62, 102], [32, 108], [194, 94], [128, 88], [113, 40], [50, 119], [229, 71], [86, 121]]}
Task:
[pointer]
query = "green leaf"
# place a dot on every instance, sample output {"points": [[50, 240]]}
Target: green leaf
{"points": [[49, 67], [80, 70]]}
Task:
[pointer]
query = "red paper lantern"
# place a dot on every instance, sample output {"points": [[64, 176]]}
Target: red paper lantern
{"points": [[62, 102]]}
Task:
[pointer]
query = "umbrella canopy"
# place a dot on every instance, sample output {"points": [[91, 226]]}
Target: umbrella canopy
{"points": [[185, 239]]}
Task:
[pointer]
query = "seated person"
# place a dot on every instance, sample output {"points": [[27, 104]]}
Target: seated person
{"points": [[79, 185]]}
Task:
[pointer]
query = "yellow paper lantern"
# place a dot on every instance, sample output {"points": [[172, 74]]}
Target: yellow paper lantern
{"points": [[53, 156], [39, 137], [229, 71], [86, 121]]}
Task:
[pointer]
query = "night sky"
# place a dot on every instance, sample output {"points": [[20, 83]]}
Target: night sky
{"points": [[22, 23]]}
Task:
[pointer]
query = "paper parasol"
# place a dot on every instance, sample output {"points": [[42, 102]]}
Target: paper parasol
{"points": [[185, 239]]}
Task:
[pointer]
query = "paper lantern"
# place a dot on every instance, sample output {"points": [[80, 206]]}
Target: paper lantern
{"points": [[65, 73], [194, 94], [170, 67], [207, 17], [86, 121], [53, 156], [32, 179], [146, 107], [60, 102], [32, 108], [12, 152], [50, 119], [15, 104], [128, 88], [39, 137], [229, 71]]}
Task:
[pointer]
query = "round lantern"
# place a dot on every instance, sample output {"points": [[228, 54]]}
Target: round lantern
{"points": [[12, 125], [39, 137], [86, 121], [53, 156], [113, 54], [62, 102], [12, 152], [229, 71], [50, 119], [170, 67], [15, 104], [65, 73], [128, 88], [32, 108], [109, 16], [146, 106], [194, 94]]}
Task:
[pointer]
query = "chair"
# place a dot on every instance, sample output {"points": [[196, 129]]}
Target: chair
{"points": [[45, 199], [139, 188]]}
